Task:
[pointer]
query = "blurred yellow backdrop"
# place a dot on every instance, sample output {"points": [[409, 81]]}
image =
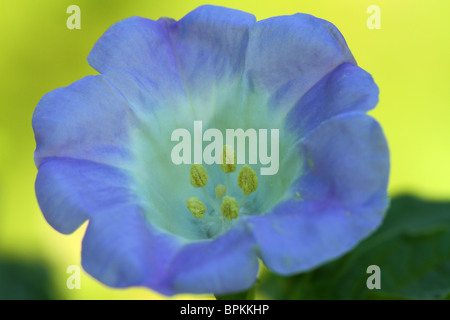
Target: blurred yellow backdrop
{"points": [[409, 58]]}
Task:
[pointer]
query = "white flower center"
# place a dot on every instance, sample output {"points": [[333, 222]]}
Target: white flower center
{"points": [[231, 191]]}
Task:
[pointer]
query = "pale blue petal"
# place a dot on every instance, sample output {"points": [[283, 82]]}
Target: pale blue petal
{"points": [[210, 43], [346, 89], [69, 191], [287, 55], [298, 236], [87, 120], [223, 265], [347, 161], [340, 199], [121, 249]]}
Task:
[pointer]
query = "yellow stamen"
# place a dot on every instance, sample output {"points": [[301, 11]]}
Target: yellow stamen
{"points": [[199, 177], [247, 180], [221, 190], [229, 208], [196, 207], [228, 159]]}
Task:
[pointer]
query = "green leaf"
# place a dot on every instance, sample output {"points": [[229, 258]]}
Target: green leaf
{"points": [[25, 280], [412, 249], [243, 295]]}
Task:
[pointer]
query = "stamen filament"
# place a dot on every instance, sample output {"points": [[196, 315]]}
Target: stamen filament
{"points": [[242, 201], [211, 201], [228, 182]]}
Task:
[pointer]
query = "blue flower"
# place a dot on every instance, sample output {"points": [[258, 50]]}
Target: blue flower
{"points": [[104, 151]]}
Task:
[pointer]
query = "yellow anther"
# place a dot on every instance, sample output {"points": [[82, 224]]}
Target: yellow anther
{"points": [[220, 191], [199, 177], [229, 208], [196, 207], [228, 160], [247, 180]]}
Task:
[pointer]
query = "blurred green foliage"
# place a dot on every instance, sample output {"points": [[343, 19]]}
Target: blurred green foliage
{"points": [[25, 280]]}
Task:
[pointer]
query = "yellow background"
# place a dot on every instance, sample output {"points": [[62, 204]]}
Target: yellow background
{"points": [[409, 58]]}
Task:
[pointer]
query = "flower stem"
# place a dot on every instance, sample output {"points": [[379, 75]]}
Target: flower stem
{"points": [[243, 295]]}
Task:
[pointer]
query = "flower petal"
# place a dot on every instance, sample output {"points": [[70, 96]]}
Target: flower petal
{"points": [[69, 191], [287, 55], [210, 43], [298, 236], [347, 88], [136, 55], [121, 249], [223, 265], [87, 120], [170, 63], [347, 161], [339, 200]]}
